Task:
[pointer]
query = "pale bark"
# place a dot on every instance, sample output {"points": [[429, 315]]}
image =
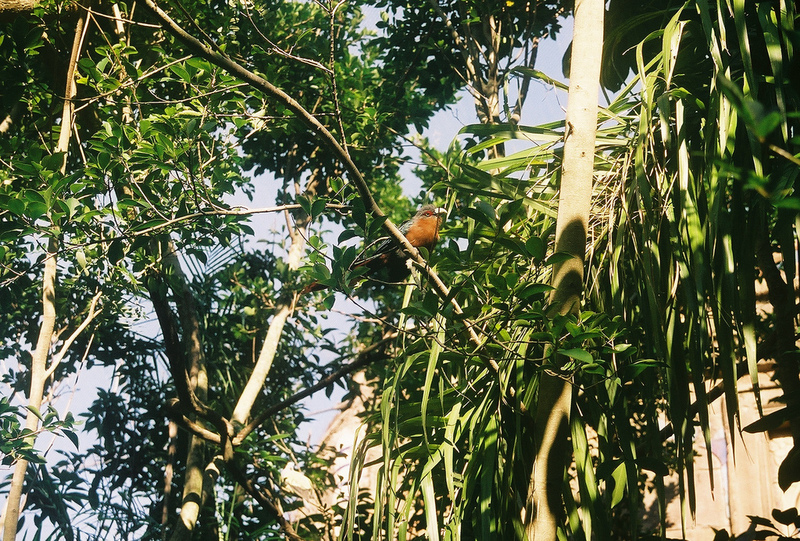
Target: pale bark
{"points": [[11, 118], [169, 472], [46, 329], [17, 6], [38, 379], [192, 500], [544, 508], [269, 348]]}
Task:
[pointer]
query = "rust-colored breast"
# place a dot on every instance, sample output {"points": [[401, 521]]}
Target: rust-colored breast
{"points": [[424, 233]]}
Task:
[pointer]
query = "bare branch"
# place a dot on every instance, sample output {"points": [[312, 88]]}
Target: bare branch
{"points": [[93, 313]]}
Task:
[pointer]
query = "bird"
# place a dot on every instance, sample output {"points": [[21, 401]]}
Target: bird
{"points": [[422, 231]]}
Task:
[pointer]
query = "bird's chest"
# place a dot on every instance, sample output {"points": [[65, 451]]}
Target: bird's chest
{"points": [[424, 234]]}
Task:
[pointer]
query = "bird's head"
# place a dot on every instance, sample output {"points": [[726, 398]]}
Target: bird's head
{"points": [[423, 229], [430, 211]]}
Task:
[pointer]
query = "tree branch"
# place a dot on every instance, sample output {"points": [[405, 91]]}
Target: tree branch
{"points": [[223, 61], [187, 401], [93, 313], [38, 369], [363, 359], [266, 502]]}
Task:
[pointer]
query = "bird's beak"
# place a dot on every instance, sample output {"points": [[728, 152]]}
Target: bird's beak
{"points": [[440, 212]]}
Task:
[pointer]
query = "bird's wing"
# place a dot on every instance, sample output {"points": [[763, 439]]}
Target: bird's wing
{"points": [[384, 245]]}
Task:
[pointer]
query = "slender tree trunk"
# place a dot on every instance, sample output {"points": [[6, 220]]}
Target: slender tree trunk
{"points": [[194, 477], [38, 379], [244, 406], [168, 476], [47, 326], [544, 507]]}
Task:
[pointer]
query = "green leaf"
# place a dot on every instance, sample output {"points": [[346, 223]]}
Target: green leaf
{"points": [[35, 210], [558, 257], [35, 411], [317, 207], [431, 515], [17, 206], [620, 477], [72, 437], [72, 205], [535, 247], [579, 355], [487, 479], [789, 203], [53, 162], [480, 217], [575, 330], [116, 251]]}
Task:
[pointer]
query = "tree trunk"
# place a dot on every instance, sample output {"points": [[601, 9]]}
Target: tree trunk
{"points": [[192, 500], [38, 379], [255, 383], [544, 508], [47, 326]]}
